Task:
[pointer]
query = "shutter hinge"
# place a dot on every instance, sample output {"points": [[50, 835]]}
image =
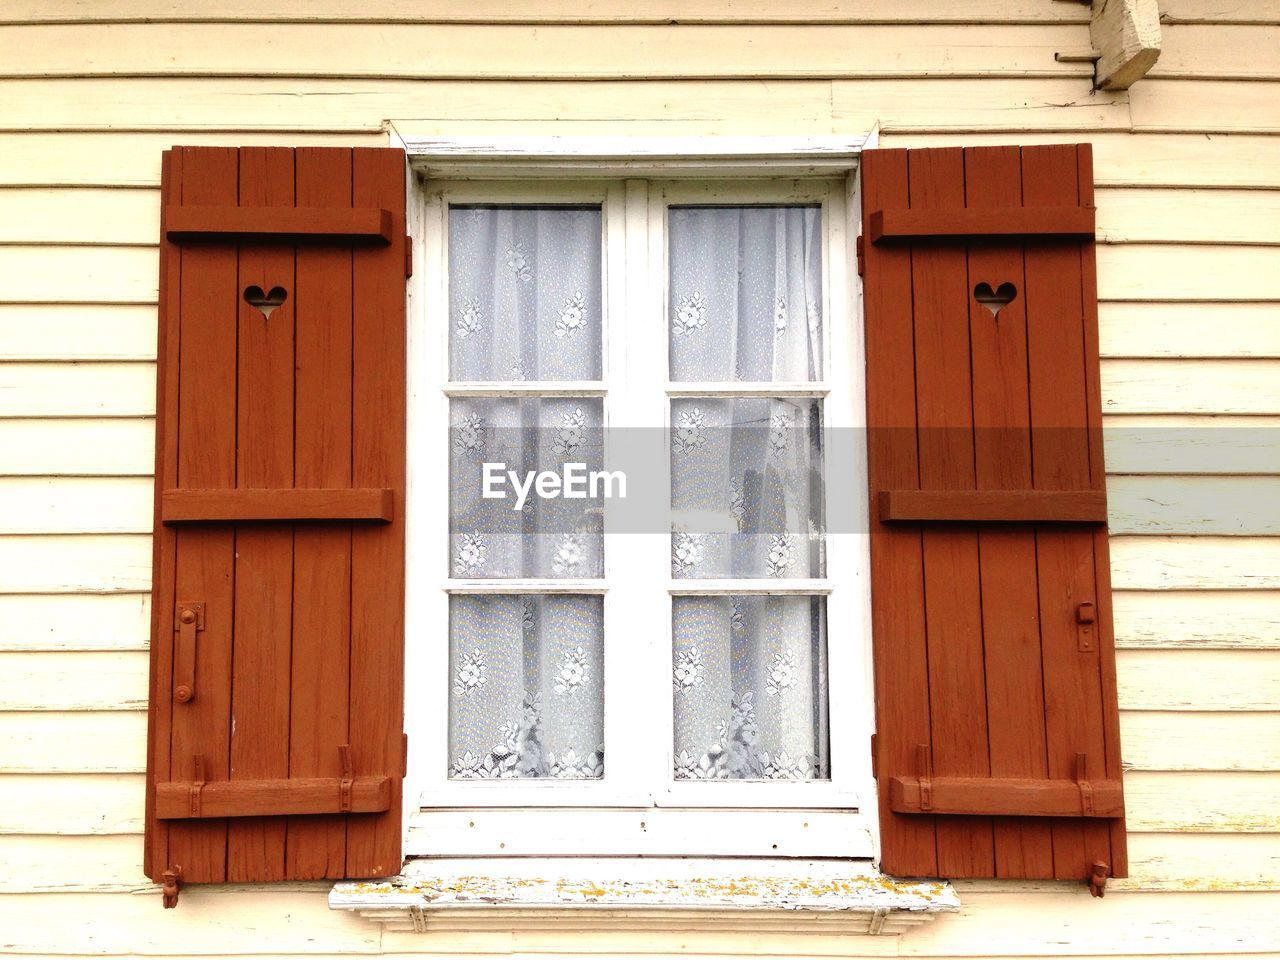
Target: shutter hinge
{"points": [[860, 253], [404, 755], [924, 774], [171, 883], [875, 760], [348, 775], [408, 256], [1086, 788], [197, 786], [1098, 878]]}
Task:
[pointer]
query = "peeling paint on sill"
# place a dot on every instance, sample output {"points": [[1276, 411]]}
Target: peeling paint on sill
{"points": [[843, 898]]}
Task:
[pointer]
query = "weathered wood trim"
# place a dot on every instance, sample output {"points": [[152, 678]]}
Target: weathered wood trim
{"points": [[577, 156], [1127, 34], [766, 895]]}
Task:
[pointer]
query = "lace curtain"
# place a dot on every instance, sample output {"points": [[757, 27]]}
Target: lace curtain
{"points": [[546, 537], [750, 688], [527, 671], [525, 293], [745, 293], [749, 672], [526, 687]]}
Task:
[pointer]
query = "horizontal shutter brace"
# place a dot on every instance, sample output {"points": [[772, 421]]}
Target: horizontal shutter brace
{"points": [[270, 224], [288, 504], [983, 223], [992, 506], [1004, 796], [187, 800]]}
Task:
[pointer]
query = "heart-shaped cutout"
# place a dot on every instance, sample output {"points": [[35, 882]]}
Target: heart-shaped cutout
{"points": [[266, 302], [997, 299]]}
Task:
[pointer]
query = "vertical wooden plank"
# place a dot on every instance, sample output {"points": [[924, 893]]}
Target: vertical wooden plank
{"points": [[908, 845], [206, 458], [155, 858], [316, 846], [377, 553], [1105, 632], [264, 554], [1065, 559], [957, 683], [1002, 461]]}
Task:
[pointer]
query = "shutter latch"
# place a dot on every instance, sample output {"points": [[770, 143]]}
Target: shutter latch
{"points": [[188, 619], [1086, 615], [171, 883], [1098, 878], [344, 788], [861, 255]]}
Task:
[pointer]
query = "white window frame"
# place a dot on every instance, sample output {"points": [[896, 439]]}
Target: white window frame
{"points": [[624, 814]]}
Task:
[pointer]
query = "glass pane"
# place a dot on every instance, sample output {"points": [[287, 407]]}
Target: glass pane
{"points": [[517, 532], [524, 293], [746, 488], [750, 677], [526, 678], [746, 293]]}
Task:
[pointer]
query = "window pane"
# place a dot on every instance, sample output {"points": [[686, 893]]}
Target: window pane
{"points": [[527, 680], [746, 293], [543, 536], [524, 293], [746, 488], [750, 677]]}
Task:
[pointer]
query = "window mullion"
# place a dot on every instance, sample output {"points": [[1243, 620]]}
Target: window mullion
{"points": [[631, 615]]}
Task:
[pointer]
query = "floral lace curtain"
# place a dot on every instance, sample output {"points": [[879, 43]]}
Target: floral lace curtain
{"points": [[525, 293], [527, 671], [746, 488], [526, 687], [749, 672], [547, 537], [750, 688], [745, 293]]}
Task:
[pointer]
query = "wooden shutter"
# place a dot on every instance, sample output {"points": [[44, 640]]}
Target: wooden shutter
{"points": [[997, 745], [276, 748]]}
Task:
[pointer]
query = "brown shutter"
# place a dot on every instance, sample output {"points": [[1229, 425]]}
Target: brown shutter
{"points": [[997, 746], [275, 742]]}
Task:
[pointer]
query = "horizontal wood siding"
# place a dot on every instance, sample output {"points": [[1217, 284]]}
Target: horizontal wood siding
{"points": [[1187, 165]]}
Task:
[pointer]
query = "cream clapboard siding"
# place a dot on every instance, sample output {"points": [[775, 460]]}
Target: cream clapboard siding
{"points": [[1188, 172]]}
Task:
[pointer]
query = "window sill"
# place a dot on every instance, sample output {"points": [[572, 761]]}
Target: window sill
{"points": [[565, 895]]}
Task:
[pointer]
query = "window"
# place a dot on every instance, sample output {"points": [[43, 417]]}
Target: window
{"points": [[674, 662]]}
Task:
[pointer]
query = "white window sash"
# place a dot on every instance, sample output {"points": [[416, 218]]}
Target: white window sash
{"points": [[637, 683]]}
